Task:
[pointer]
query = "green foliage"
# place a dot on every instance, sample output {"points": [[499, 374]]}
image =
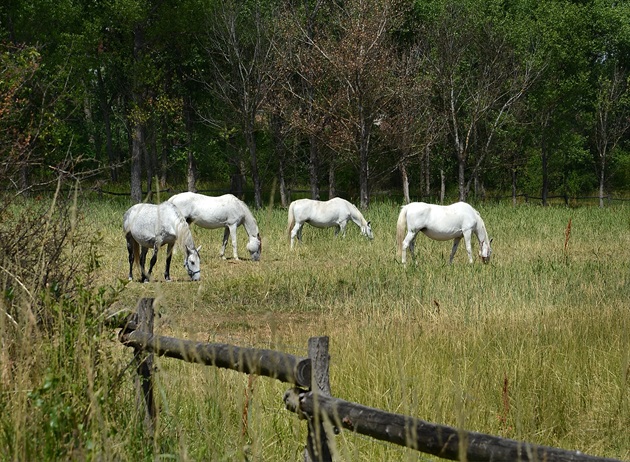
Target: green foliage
{"points": [[83, 87]]}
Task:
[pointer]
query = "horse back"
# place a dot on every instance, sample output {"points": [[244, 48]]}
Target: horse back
{"points": [[321, 213], [151, 224], [436, 221]]}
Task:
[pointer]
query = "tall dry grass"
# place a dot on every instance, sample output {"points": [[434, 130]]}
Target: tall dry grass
{"points": [[533, 346]]}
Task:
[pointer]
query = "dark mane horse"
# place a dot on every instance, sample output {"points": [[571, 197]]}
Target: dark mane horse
{"points": [[148, 226]]}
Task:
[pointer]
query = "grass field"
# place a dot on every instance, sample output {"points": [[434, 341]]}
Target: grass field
{"points": [[534, 346]]}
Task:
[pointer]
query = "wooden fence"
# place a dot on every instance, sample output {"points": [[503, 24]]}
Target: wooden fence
{"points": [[311, 398]]}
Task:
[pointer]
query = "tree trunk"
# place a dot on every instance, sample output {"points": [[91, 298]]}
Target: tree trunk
{"points": [[191, 168], [137, 140], [427, 171], [280, 151], [332, 182], [107, 124], [461, 178], [364, 150], [514, 186], [363, 181], [313, 167], [405, 182], [602, 178], [149, 161], [165, 148], [24, 179], [545, 172], [136, 163], [250, 140], [442, 186]]}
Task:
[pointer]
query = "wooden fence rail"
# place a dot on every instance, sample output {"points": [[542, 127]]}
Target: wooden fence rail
{"points": [[311, 398]]}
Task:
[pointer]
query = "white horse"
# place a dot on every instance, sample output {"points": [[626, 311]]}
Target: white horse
{"points": [[225, 211], [335, 212], [152, 226], [441, 223]]}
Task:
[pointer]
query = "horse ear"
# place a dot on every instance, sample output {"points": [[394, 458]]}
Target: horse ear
{"points": [[369, 222], [491, 239], [198, 249]]}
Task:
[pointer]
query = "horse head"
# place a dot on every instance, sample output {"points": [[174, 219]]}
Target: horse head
{"points": [[192, 263], [366, 230], [255, 247], [486, 251]]}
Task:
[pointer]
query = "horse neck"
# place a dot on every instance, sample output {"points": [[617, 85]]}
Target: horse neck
{"points": [[184, 236], [249, 223], [480, 231], [357, 216]]}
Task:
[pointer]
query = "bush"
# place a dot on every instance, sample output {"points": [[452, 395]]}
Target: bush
{"points": [[56, 385]]}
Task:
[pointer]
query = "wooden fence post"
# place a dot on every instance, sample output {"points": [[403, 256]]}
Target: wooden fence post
{"points": [[144, 367], [317, 448]]}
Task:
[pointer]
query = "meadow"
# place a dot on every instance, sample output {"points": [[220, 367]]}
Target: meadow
{"points": [[534, 346]]}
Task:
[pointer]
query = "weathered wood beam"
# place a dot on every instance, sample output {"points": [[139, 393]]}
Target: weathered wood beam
{"points": [[269, 363], [440, 440]]}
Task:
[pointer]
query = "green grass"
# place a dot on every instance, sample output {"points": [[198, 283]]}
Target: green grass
{"points": [[534, 346]]}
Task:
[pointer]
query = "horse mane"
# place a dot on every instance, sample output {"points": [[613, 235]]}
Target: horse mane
{"points": [[249, 221], [480, 229], [184, 236], [356, 213]]}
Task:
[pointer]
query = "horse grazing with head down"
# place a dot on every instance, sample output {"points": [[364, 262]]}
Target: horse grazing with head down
{"points": [[225, 211], [441, 223], [151, 226], [325, 214]]}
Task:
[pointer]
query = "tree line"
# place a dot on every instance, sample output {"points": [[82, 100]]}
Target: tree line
{"points": [[417, 97]]}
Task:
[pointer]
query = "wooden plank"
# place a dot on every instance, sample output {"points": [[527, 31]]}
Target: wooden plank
{"points": [[144, 367], [440, 440], [269, 363], [317, 448]]}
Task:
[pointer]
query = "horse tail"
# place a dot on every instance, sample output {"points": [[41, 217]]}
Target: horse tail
{"points": [[291, 220], [401, 229], [136, 255]]}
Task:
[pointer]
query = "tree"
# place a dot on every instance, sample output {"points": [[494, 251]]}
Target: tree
{"points": [[350, 72], [612, 92], [18, 125], [478, 80], [558, 98], [239, 55]]}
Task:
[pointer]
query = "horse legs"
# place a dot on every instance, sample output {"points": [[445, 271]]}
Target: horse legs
{"points": [[233, 235], [143, 259], [342, 228], [467, 236], [226, 234], [152, 262], [167, 268], [455, 245], [408, 243], [296, 231], [130, 245]]}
